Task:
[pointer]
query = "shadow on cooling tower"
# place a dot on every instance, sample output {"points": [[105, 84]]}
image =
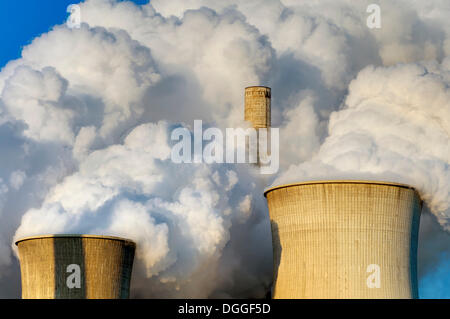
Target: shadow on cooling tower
{"points": [[67, 253], [277, 251]]}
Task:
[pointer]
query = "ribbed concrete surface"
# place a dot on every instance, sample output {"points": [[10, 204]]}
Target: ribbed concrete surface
{"points": [[257, 106], [105, 262], [325, 234]]}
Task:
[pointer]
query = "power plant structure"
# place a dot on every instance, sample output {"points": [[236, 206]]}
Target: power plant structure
{"points": [[331, 240], [258, 106], [258, 113], [75, 267], [344, 240]]}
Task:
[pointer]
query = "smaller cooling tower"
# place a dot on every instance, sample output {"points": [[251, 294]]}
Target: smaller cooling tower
{"points": [[75, 267], [257, 106]]}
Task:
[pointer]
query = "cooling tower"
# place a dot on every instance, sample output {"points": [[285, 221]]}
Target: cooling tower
{"points": [[257, 106], [75, 267], [344, 239]]}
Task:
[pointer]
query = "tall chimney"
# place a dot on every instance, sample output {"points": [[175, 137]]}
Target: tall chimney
{"points": [[258, 113], [75, 267], [257, 106], [344, 239]]}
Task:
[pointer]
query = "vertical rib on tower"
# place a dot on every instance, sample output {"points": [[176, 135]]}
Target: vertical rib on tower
{"points": [[326, 234]]}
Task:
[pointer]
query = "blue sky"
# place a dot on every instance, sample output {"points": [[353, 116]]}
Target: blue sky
{"points": [[436, 284], [22, 21]]}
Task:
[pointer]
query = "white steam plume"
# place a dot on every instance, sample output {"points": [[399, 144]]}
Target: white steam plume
{"points": [[395, 125]]}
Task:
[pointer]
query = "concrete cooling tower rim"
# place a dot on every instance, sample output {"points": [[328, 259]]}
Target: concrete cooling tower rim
{"points": [[258, 86], [338, 182], [127, 241]]}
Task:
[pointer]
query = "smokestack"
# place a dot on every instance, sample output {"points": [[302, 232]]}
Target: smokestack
{"points": [[258, 113], [257, 106], [75, 267], [344, 239]]}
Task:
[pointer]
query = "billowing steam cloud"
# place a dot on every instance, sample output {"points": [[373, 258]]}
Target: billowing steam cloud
{"points": [[86, 116], [395, 123]]}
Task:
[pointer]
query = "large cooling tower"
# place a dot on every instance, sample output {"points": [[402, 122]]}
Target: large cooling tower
{"points": [[344, 239], [257, 106], [75, 266]]}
